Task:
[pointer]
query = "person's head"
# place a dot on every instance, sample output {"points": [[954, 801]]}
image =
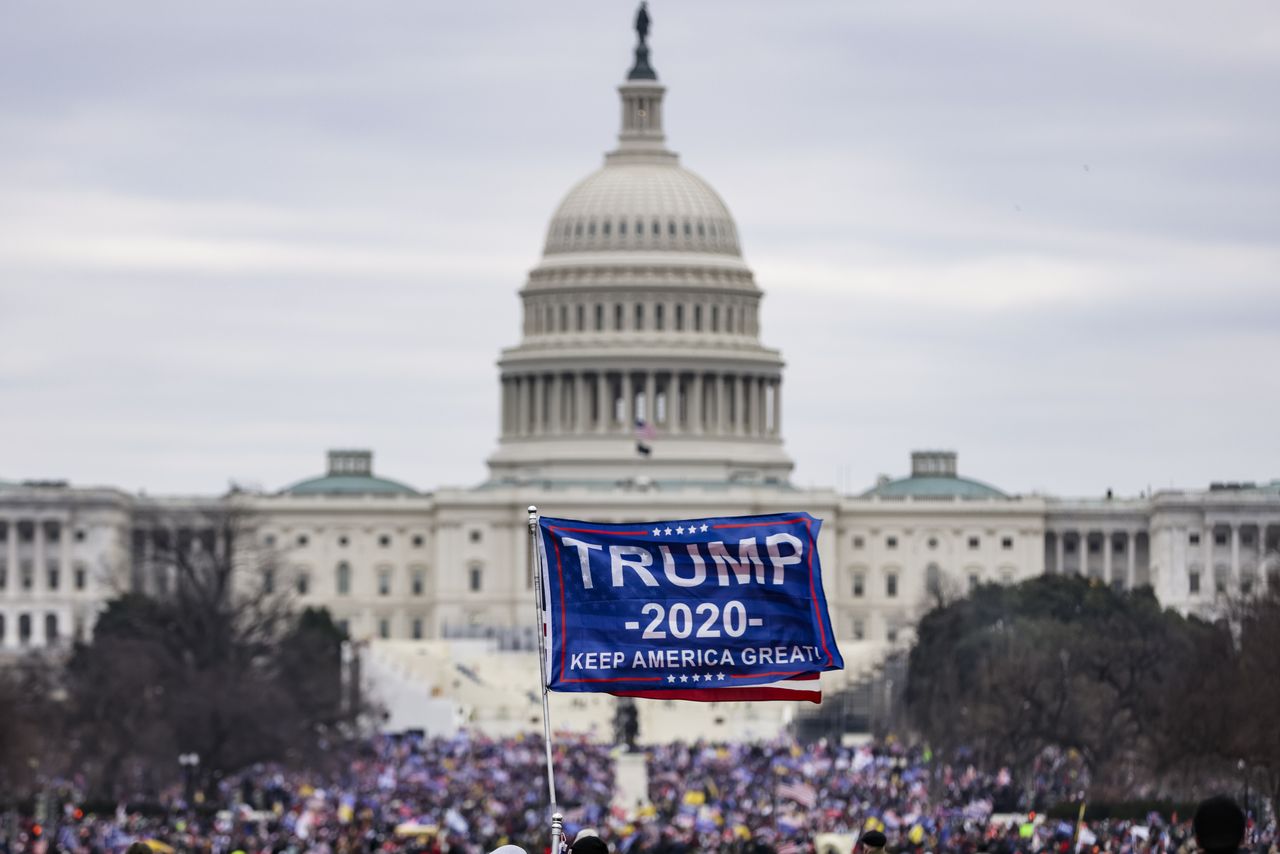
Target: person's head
{"points": [[589, 845], [138, 848], [1219, 825], [874, 840]]}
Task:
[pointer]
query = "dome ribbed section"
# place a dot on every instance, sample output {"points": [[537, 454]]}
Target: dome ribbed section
{"points": [[638, 206]]}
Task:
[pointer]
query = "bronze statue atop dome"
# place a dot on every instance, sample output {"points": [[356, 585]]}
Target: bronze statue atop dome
{"points": [[641, 69]]}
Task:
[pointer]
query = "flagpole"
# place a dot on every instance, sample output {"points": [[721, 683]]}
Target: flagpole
{"points": [[535, 560]]}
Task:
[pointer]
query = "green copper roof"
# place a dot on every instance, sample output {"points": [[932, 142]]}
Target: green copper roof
{"points": [[348, 484], [924, 486]]}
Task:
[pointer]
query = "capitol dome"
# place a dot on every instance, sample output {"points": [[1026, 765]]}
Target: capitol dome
{"points": [[639, 205], [640, 359]]}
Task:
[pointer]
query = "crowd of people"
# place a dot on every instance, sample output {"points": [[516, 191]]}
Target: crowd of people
{"points": [[474, 794]]}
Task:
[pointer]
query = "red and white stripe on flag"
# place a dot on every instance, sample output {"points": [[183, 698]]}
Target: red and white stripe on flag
{"points": [[800, 688], [802, 793]]}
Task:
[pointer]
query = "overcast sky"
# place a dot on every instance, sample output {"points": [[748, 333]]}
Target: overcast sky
{"points": [[235, 234]]}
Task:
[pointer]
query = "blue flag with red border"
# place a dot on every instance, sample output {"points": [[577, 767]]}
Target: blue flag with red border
{"points": [[721, 609]]}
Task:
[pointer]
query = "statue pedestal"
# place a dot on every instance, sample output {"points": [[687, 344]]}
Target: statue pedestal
{"points": [[630, 781]]}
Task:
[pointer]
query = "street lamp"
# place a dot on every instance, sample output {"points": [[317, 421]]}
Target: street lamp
{"points": [[189, 762]]}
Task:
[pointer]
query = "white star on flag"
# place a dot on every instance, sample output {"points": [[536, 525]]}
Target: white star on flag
{"points": [[657, 532], [695, 677], [720, 676], [684, 678], [679, 530], [672, 678], [667, 531], [703, 529]]}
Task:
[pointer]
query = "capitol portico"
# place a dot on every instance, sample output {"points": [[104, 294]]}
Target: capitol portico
{"points": [[640, 388]]}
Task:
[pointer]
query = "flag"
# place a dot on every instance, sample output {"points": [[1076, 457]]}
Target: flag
{"points": [[644, 434], [717, 610], [802, 793]]}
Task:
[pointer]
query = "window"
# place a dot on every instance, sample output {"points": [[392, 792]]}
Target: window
{"points": [[344, 578], [269, 540], [890, 542], [344, 626], [591, 229], [605, 228], [1246, 538], [671, 227], [476, 536], [52, 575], [80, 535], [79, 576], [1246, 586], [476, 577], [4, 575], [858, 542], [891, 634], [1006, 543], [657, 228], [697, 318], [28, 577], [933, 542], [24, 629], [303, 583], [1094, 547], [582, 318], [599, 318], [1193, 583], [859, 629], [617, 317], [891, 585], [1219, 539], [973, 581], [622, 228], [384, 540], [564, 318], [859, 584], [416, 627], [384, 628], [679, 318], [302, 539], [974, 542], [715, 318], [1194, 539], [639, 316], [658, 319], [384, 582], [1117, 545], [418, 582], [344, 541], [1, 628], [1069, 547], [51, 628], [933, 580], [268, 580], [688, 229]]}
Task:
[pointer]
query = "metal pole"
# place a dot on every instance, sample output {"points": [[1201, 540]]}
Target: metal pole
{"points": [[535, 554]]}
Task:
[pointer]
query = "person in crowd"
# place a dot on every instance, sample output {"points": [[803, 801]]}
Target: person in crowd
{"points": [[1219, 825], [873, 842]]}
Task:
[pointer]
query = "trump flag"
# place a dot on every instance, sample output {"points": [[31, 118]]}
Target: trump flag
{"points": [[719, 609]]}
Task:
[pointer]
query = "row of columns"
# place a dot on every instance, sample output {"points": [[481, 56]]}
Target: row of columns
{"points": [[30, 567], [736, 317], [1236, 552], [21, 629], [1128, 539], [676, 402]]}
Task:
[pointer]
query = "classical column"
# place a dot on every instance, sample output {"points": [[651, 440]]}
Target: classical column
{"points": [[1060, 554], [695, 404], [38, 558], [762, 407], [777, 406], [1107, 545], [604, 412], [676, 401], [650, 398], [1235, 556], [722, 385], [1131, 568], [539, 404], [739, 405], [628, 404], [580, 402], [556, 403]]}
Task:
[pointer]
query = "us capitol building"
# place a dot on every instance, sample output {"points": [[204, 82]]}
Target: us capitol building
{"points": [[640, 388]]}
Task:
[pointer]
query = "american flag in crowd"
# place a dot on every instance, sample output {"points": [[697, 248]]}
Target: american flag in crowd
{"points": [[645, 433], [802, 793]]}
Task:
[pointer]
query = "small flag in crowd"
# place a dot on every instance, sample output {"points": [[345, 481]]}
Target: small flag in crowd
{"points": [[802, 793]]}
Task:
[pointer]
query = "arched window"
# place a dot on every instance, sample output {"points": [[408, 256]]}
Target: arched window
{"points": [[617, 316], [639, 228], [671, 227], [622, 228], [606, 228], [50, 628], [344, 579], [657, 228], [302, 582], [24, 629], [475, 577], [639, 316]]}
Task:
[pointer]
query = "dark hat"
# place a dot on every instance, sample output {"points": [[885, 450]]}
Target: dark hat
{"points": [[590, 845], [874, 839]]}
